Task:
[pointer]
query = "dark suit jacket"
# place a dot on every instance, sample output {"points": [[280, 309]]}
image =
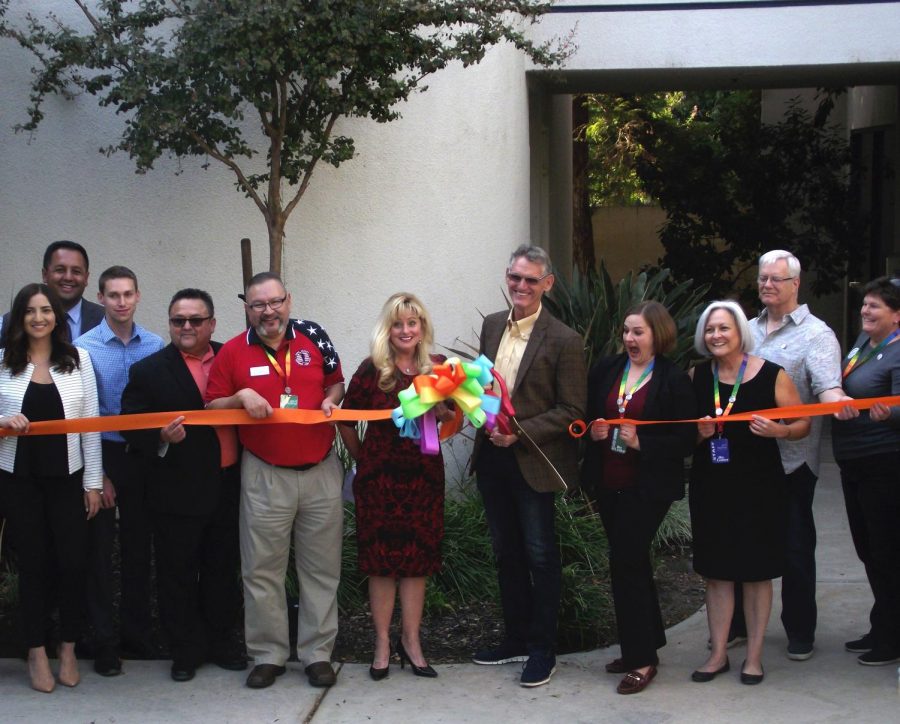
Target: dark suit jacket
{"points": [[187, 479], [548, 394], [91, 315], [670, 396]]}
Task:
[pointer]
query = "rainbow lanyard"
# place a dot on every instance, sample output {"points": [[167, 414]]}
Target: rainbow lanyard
{"points": [[854, 361], [285, 373], [622, 400], [720, 413]]}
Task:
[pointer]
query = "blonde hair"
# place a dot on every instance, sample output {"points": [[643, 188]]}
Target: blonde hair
{"points": [[397, 305]]}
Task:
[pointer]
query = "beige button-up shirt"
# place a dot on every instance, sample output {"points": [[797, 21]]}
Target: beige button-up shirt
{"points": [[512, 346]]}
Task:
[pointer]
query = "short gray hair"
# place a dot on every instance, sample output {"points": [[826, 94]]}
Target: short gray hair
{"points": [[770, 257], [740, 320], [534, 254]]}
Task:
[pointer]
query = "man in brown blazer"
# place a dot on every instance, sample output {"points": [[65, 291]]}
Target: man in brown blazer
{"points": [[518, 474]]}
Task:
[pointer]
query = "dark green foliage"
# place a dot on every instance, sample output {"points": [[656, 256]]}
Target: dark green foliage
{"points": [[595, 307], [732, 186], [233, 80]]}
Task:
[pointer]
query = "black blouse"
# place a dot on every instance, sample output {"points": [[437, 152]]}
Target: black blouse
{"points": [[42, 455]]}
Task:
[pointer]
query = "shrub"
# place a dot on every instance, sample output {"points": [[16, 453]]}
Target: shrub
{"points": [[595, 308]]}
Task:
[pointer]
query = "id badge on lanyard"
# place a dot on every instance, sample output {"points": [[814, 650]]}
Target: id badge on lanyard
{"points": [[718, 446], [287, 401]]}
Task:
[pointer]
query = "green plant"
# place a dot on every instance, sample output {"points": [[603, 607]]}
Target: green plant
{"points": [[586, 611], [675, 530], [595, 307], [467, 574]]}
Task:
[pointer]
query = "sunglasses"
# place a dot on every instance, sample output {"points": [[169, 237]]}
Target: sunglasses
{"points": [[195, 322], [514, 278]]}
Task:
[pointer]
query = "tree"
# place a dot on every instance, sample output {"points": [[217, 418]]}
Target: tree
{"points": [[732, 186], [190, 75]]}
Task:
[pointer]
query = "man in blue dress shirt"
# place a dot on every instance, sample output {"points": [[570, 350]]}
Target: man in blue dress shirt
{"points": [[114, 345]]}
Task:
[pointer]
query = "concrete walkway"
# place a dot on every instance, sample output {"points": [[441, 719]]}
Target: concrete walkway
{"points": [[830, 687]]}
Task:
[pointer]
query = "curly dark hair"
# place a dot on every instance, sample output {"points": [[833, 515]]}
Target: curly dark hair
{"points": [[63, 356]]}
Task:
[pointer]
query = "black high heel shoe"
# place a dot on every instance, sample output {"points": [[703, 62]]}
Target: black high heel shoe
{"points": [[425, 671], [379, 674]]}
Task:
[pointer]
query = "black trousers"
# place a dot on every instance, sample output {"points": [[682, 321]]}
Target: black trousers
{"points": [[799, 612], [631, 522], [872, 495], [198, 577], [48, 527], [135, 552]]}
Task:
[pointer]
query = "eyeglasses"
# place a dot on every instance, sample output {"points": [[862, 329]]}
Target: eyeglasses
{"points": [[194, 321], [763, 278], [513, 278], [273, 303]]}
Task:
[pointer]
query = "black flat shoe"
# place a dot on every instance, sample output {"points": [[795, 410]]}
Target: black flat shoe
{"points": [[379, 674], [425, 671], [182, 672], [701, 677], [751, 679]]}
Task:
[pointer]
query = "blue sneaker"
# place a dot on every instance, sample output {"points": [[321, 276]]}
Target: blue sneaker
{"points": [[538, 670]]}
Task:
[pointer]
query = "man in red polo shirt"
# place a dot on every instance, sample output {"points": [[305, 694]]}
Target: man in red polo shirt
{"points": [[290, 480]]}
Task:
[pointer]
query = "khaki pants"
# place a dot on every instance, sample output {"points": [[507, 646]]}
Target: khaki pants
{"points": [[274, 503]]}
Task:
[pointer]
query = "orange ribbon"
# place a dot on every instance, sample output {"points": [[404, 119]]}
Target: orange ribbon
{"points": [[578, 428], [152, 420]]}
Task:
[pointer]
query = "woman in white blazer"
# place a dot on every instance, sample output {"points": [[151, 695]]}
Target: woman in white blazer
{"points": [[50, 484]]}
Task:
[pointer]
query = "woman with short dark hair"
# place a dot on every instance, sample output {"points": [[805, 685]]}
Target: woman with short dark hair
{"points": [[867, 450]]}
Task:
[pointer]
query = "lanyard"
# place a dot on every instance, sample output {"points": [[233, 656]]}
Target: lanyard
{"points": [[854, 361], [622, 400], [720, 413], [285, 373]]}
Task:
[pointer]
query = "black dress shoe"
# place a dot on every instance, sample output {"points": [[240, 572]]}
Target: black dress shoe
{"points": [[231, 660], [264, 675], [182, 671], [425, 671], [751, 679], [379, 674], [320, 673], [139, 649], [107, 661], [701, 677]]}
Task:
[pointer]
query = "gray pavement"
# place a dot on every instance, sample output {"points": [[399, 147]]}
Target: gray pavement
{"points": [[830, 687]]}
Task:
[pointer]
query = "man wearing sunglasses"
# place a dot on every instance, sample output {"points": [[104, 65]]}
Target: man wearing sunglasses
{"points": [[192, 493], [520, 471], [291, 481]]}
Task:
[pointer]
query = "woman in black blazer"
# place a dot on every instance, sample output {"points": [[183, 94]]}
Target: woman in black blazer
{"points": [[636, 474]]}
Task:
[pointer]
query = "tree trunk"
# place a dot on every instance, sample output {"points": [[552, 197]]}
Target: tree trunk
{"points": [[276, 243], [583, 256]]}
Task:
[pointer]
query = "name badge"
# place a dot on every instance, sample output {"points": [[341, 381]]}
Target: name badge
{"points": [[259, 371], [288, 402], [718, 448], [617, 445]]}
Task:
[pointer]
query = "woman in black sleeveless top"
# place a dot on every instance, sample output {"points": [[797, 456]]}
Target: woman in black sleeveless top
{"points": [[737, 491]]}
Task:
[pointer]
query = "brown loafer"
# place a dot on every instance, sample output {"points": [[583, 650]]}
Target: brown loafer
{"points": [[635, 682], [320, 673], [263, 675]]}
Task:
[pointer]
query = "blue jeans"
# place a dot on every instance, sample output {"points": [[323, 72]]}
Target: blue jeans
{"points": [[523, 533]]}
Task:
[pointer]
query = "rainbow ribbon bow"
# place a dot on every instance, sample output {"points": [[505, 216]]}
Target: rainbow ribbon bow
{"points": [[462, 382]]}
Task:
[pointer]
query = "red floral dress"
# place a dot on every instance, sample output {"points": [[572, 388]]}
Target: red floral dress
{"points": [[399, 491]]}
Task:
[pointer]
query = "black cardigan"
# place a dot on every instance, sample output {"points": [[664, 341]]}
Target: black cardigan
{"points": [[663, 447]]}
